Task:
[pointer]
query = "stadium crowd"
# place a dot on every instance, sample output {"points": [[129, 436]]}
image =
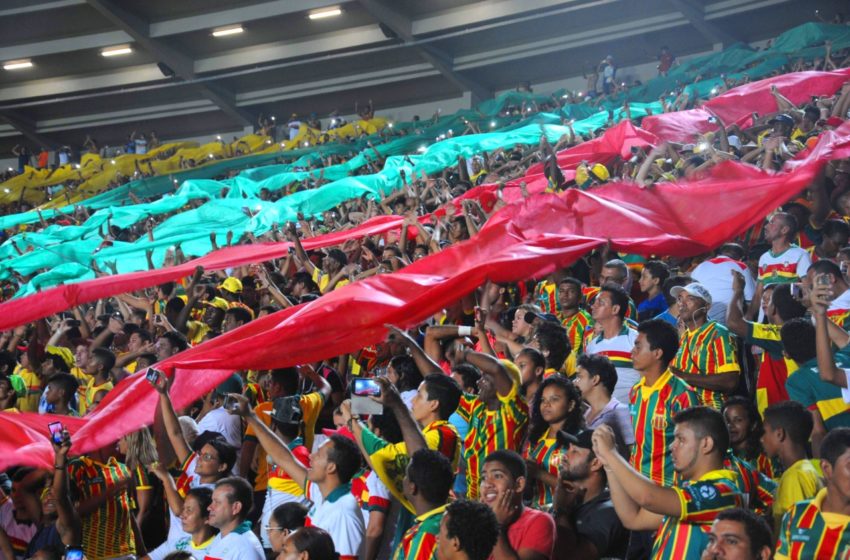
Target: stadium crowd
{"points": [[622, 407]]}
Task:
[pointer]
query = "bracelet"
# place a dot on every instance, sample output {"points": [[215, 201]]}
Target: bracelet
{"points": [[58, 467], [464, 330]]}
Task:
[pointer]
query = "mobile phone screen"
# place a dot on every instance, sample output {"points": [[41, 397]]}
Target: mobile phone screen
{"points": [[56, 429], [366, 388]]}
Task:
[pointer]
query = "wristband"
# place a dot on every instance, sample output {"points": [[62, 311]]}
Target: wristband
{"points": [[464, 331], [59, 467]]}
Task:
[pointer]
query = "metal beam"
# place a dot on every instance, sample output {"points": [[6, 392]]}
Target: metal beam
{"points": [[695, 14], [26, 127], [443, 62], [182, 64]]}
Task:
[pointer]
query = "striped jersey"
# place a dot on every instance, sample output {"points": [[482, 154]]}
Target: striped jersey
{"points": [[106, 531], [546, 297], [547, 454], [788, 266], [652, 409], [809, 533], [576, 326], [701, 500], [490, 430], [807, 388], [389, 460], [420, 541], [758, 488], [774, 367], [618, 349], [707, 350], [839, 310]]}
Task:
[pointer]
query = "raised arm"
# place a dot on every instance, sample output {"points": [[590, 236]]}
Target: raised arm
{"points": [[414, 440], [492, 366], [424, 362], [170, 421], [827, 368], [734, 312], [68, 523]]}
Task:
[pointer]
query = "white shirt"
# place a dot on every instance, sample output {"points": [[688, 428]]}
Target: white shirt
{"points": [[716, 275], [183, 543], [235, 546], [788, 266], [618, 349], [339, 515], [220, 421]]}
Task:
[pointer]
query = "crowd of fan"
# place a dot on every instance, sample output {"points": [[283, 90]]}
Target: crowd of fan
{"points": [[618, 408]]}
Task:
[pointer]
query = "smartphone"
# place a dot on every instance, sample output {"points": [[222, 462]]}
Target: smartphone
{"points": [[367, 388], [73, 553], [823, 280], [796, 291], [712, 119], [153, 375], [56, 429], [73, 323], [230, 403]]}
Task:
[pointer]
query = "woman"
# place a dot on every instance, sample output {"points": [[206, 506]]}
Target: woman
{"points": [[556, 406], [284, 520], [138, 449], [308, 543], [745, 431], [193, 519]]}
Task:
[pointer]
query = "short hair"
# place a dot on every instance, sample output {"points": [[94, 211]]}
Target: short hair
{"points": [[143, 334], [445, 390], [755, 526], [835, 444], [602, 367], [290, 515], [658, 269], [790, 221], [204, 497], [470, 374], [798, 339], [672, 282], [346, 456], [316, 542], [620, 265], [409, 376], [552, 336], [706, 421], [67, 382], [787, 306], [240, 491], [538, 360], [618, 297], [511, 460], [432, 474], [175, 305], [176, 339], [661, 335], [465, 514], [167, 288], [287, 378], [338, 255], [179, 555], [792, 417], [240, 314], [835, 227], [811, 112], [226, 452], [826, 266], [105, 357]]}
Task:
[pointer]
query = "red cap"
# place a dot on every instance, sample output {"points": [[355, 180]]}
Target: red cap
{"points": [[342, 431]]}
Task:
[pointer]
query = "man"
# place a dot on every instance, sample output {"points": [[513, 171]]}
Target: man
{"points": [[820, 528], [839, 306], [596, 378], [615, 271], [333, 262], [215, 418], [232, 500], [527, 534], [327, 481], [716, 275], [457, 542], [706, 358], [575, 319], [59, 394], [680, 514], [656, 399], [587, 525], [651, 282], [672, 313], [170, 343], [100, 363], [784, 262], [234, 318], [427, 485], [616, 337], [774, 367], [739, 534]]}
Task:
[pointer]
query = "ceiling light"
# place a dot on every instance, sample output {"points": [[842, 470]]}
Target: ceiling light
{"points": [[229, 30], [17, 64], [116, 51], [329, 12]]}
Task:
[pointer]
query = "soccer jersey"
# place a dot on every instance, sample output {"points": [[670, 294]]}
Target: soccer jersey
{"points": [[490, 430], [802, 481], [91, 391], [106, 531], [322, 280], [389, 460], [181, 544], [339, 514], [576, 326], [809, 533], [653, 408], [547, 454], [280, 488], [618, 349], [29, 401], [839, 310], [806, 387], [546, 297], [786, 267], [774, 367], [701, 501], [707, 350], [20, 534], [240, 544], [758, 488], [420, 541]]}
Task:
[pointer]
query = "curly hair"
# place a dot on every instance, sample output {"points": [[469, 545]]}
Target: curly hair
{"points": [[574, 418]]}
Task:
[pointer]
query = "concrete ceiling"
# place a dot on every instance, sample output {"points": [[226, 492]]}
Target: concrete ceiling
{"points": [[397, 52]]}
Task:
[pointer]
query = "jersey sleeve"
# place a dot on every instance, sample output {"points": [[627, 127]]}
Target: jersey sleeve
{"points": [[311, 406], [783, 547], [799, 388], [803, 264], [703, 500], [379, 494], [467, 405], [764, 336], [722, 357]]}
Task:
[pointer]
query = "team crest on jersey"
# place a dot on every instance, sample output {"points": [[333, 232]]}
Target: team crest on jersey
{"points": [[659, 422], [708, 492]]}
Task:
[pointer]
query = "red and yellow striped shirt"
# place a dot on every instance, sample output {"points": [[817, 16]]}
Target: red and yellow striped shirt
{"points": [[808, 532], [707, 350], [420, 541]]}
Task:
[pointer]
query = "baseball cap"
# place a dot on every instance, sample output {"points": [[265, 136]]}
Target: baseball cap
{"points": [[694, 289], [218, 302], [287, 410], [232, 285], [232, 384], [782, 118], [583, 438]]}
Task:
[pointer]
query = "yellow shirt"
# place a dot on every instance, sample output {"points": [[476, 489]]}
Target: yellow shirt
{"points": [[801, 481], [29, 402], [91, 391]]}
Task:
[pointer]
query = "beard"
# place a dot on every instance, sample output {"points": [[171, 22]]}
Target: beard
{"points": [[574, 473]]}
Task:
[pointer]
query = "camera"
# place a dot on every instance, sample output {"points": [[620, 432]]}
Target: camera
{"points": [[366, 388], [230, 403], [153, 375]]}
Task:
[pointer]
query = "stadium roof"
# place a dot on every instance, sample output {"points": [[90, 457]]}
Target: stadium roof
{"points": [[181, 80]]}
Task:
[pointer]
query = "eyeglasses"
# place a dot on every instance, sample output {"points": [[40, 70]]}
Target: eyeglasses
{"points": [[269, 529], [208, 457]]}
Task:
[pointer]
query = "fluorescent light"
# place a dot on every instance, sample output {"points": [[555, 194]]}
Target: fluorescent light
{"points": [[229, 30], [17, 64], [116, 51], [329, 12]]}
